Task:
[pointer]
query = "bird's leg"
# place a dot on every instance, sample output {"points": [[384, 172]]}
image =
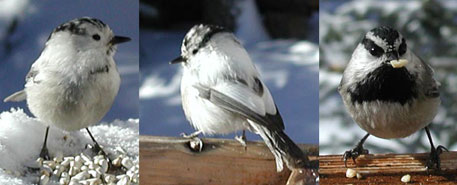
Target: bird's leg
{"points": [[191, 136], [434, 158], [44, 150], [242, 139], [97, 149], [194, 136], [358, 150]]}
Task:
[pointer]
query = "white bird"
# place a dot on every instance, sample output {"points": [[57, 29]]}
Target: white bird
{"points": [[222, 93], [74, 81], [389, 91]]}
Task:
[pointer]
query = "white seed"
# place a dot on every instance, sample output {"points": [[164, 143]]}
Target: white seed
{"points": [[406, 178], [350, 173], [117, 162], [46, 170], [44, 180], [74, 183], [85, 157], [64, 180], [123, 180], [39, 161], [94, 174], [359, 176], [65, 163], [80, 176], [104, 165], [127, 163], [51, 164], [64, 174], [84, 168], [109, 178]]}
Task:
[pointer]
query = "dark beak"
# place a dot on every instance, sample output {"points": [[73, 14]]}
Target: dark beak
{"points": [[119, 39], [392, 55], [180, 59]]}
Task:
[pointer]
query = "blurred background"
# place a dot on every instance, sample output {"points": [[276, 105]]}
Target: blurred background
{"points": [[280, 36], [25, 26], [429, 27]]}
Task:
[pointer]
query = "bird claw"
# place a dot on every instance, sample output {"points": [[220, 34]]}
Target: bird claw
{"points": [[434, 161], [45, 153], [242, 140], [354, 153], [190, 136]]}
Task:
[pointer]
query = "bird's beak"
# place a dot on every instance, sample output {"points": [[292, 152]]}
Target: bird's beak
{"points": [[179, 59], [118, 39], [394, 61]]}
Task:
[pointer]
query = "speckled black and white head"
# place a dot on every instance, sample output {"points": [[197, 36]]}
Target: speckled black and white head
{"points": [[384, 44], [196, 39], [85, 34]]}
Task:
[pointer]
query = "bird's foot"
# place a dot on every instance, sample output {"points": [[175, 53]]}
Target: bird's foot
{"points": [[433, 161], [242, 140], [45, 153], [354, 153], [191, 136], [97, 150]]}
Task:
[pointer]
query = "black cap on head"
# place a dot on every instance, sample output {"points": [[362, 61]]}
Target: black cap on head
{"points": [[388, 34]]}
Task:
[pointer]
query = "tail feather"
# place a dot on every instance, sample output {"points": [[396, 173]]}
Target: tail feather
{"points": [[282, 147], [17, 96]]}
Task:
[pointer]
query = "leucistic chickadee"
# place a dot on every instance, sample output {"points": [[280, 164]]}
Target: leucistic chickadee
{"points": [[73, 83], [389, 91], [222, 93]]}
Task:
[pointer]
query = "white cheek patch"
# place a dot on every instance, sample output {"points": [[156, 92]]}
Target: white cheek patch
{"points": [[398, 63]]}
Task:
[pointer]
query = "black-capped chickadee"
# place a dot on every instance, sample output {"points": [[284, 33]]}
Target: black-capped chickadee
{"points": [[389, 91], [222, 93], [73, 83]]}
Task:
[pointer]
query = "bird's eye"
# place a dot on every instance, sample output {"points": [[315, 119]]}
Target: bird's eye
{"points": [[96, 37], [402, 48], [194, 51], [374, 49]]}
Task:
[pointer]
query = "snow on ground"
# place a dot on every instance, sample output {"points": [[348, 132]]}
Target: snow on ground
{"points": [[21, 139]]}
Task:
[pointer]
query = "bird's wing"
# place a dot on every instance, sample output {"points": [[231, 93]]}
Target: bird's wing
{"points": [[21, 95], [431, 86], [15, 97], [240, 99]]}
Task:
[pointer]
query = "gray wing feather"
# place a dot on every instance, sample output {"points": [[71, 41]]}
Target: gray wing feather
{"points": [[17, 96], [431, 86], [230, 104]]}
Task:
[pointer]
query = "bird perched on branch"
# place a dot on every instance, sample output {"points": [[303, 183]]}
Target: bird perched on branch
{"points": [[73, 83], [389, 91], [222, 93]]}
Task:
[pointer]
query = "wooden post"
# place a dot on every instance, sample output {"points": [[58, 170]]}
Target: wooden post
{"points": [[388, 169], [170, 160]]}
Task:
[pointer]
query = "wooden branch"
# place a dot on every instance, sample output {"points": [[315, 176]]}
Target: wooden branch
{"points": [[388, 168], [169, 160]]}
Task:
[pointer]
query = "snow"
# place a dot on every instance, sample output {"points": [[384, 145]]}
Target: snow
{"points": [[18, 126]]}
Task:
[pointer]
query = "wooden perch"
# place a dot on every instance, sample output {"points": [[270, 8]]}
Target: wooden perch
{"points": [[170, 160], [388, 169]]}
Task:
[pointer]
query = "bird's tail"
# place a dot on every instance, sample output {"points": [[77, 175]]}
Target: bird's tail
{"points": [[283, 148]]}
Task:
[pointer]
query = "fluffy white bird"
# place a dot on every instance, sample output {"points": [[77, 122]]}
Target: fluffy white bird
{"points": [[73, 83], [222, 93]]}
